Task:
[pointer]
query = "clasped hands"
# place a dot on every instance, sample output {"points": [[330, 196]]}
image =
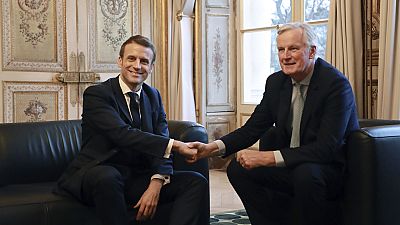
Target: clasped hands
{"points": [[248, 159]]}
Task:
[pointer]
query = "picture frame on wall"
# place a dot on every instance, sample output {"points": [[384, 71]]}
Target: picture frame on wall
{"points": [[33, 35], [34, 101]]}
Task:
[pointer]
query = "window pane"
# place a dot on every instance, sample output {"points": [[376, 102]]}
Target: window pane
{"points": [[265, 13], [316, 10], [259, 61], [320, 31]]}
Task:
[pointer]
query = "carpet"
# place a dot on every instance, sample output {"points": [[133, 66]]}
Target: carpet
{"points": [[238, 217]]}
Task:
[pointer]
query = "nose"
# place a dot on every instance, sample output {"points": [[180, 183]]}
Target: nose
{"points": [[287, 54], [136, 64]]}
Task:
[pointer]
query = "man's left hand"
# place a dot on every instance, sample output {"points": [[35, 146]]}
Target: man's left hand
{"points": [[147, 204], [250, 159]]}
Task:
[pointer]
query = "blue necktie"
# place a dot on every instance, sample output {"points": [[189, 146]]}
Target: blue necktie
{"points": [[297, 112], [134, 106]]}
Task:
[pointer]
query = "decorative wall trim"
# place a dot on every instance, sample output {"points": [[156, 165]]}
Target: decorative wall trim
{"points": [[109, 27], [34, 101], [33, 35], [373, 57], [217, 4]]}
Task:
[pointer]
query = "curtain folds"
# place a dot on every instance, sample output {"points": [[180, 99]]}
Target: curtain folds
{"points": [[389, 58], [344, 47], [182, 104]]}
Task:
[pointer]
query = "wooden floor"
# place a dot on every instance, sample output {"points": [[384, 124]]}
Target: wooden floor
{"points": [[223, 196]]}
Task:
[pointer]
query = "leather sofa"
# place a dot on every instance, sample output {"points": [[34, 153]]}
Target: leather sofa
{"points": [[371, 194], [34, 155]]}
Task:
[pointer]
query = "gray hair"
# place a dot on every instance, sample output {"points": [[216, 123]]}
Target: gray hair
{"points": [[309, 34]]}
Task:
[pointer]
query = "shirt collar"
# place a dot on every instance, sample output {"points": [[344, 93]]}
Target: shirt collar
{"points": [[306, 80], [125, 89]]}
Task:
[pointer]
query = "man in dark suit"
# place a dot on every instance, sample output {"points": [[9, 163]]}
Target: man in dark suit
{"points": [[125, 157], [310, 107]]}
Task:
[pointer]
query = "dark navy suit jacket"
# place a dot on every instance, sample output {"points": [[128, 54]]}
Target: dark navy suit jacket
{"points": [[329, 115], [108, 134]]}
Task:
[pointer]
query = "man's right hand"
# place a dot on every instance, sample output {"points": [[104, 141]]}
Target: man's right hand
{"points": [[203, 150], [183, 149]]}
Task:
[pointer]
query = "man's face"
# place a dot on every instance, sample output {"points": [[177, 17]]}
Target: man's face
{"points": [[136, 65], [295, 57]]}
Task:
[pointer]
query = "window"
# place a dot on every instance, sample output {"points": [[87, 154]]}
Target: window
{"points": [[257, 37]]}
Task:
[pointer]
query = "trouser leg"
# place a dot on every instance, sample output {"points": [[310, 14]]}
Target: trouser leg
{"points": [[316, 188], [262, 191], [188, 193], [104, 188]]}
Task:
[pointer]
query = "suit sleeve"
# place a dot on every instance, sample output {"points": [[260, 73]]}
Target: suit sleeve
{"points": [[260, 121], [101, 115], [162, 165]]}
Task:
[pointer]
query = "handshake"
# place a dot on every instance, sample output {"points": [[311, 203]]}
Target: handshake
{"points": [[194, 151], [248, 159]]}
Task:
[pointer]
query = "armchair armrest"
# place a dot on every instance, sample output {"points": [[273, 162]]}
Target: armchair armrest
{"points": [[376, 122], [372, 186], [187, 131]]}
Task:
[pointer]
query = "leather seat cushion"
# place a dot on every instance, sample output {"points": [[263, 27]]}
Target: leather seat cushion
{"points": [[36, 204]]}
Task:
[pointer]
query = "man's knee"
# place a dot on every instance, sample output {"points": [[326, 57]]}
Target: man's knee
{"points": [[234, 170], [238, 175], [308, 177], [104, 176]]}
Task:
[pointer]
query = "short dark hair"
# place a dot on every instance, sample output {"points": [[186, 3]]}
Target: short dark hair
{"points": [[140, 40]]}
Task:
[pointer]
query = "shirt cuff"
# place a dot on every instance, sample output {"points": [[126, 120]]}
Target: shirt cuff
{"points": [[169, 148], [164, 178], [279, 159], [221, 148]]}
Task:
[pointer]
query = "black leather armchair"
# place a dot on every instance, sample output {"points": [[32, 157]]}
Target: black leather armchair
{"points": [[372, 186], [34, 155]]}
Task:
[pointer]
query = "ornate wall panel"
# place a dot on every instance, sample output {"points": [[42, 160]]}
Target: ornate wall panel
{"points": [[219, 95], [111, 22], [34, 101], [33, 35], [219, 125]]}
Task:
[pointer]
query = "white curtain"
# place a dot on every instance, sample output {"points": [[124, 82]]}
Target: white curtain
{"points": [[182, 104], [389, 61], [344, 47]]}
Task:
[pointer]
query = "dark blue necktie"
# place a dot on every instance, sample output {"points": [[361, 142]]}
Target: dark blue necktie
{"points": [[134, 105]]}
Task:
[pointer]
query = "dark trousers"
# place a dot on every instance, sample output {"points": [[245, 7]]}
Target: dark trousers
{"points": [[269, 193], [112, 193]]}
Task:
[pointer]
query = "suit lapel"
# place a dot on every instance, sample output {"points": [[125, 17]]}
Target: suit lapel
{"points": [[120, 98], [146, 113], [284, 107], [311, 99]]}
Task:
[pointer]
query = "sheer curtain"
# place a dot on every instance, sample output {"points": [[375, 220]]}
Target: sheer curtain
{"points": [[344, 47], [182, 105], [389, 61]]}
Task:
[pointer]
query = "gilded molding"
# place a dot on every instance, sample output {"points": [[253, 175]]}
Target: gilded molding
{"points": [[160, 38]]}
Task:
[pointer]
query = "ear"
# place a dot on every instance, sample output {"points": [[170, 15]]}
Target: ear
{"points": [[151, 68], [313, 51], [119, 62]]}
